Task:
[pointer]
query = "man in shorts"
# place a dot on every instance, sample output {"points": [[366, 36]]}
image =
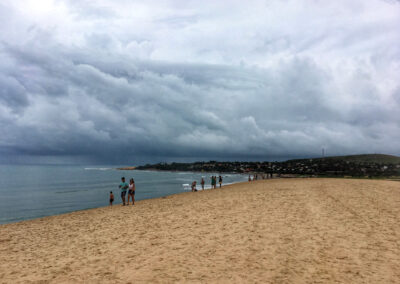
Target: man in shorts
{"points": [[123, 186]]}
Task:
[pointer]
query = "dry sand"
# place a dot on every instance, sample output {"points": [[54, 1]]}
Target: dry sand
{"points": [[271, 231]]}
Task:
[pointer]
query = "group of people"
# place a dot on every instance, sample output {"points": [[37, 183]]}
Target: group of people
{"points": [[262, 176], [125, 187], [213, 183], [130, 189]]}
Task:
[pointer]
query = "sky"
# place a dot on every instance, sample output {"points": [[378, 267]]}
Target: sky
{"points": [[130, 82]]}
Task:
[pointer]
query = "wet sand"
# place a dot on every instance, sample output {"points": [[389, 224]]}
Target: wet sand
{"points": [[269, 231]]}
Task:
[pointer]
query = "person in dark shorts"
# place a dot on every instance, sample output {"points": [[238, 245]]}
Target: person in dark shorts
{"points": [[202, 183], [131, 191], [194, 186], [123, 186], [111, 198], [220, 181]]}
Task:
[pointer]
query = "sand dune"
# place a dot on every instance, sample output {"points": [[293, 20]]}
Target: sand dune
{"points": [[271, 231]]}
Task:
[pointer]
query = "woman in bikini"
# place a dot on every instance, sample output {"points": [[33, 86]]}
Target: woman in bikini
{"points": [[131, 192]]}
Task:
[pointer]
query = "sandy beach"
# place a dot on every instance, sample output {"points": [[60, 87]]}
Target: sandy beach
{"points": [[269, 231]]}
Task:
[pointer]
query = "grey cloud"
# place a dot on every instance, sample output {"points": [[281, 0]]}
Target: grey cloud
{"points": [[12, 93], [96, 100]]}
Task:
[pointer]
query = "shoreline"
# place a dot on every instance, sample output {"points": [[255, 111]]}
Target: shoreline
{"points": [[176, 171], [271, 231], [283, 176], [117, 203], [42, 219], [207, 187], [126, 168]]}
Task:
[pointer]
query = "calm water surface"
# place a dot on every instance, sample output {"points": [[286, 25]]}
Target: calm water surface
{"points": [[28, 192]]}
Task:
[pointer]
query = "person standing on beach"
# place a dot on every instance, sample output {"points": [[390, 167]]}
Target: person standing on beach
{"points": [[202, 183], [220, 181], [194, 186], [123, 186], [131, 192], [111, 198]]}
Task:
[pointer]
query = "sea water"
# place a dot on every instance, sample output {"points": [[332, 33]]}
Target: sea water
{"points": [[28, 192]]}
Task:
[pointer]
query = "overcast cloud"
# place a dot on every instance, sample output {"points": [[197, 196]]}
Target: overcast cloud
{"points": [[130, 81]]}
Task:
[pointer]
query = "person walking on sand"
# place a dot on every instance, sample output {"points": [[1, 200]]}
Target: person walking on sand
{"points": [[202, 183], [220, 181], [194, 186], [111, 198], [123, 186], [131, 192]]}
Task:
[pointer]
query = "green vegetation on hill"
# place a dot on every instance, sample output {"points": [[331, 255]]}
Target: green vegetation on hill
{"points": [[375, 165]]}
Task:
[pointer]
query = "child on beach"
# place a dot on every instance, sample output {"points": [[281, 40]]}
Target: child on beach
{"points": [[194, 186], [111, 198], [202, 183]]}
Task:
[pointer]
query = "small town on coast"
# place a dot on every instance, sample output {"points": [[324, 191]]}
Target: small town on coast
{"points": [[359, 166]]}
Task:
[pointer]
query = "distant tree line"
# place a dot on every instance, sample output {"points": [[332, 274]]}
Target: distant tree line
{"points": [[307, 167]]}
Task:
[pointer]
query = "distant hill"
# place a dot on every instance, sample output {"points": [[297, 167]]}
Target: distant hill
{"points": [[365, 158], [369, 165]]}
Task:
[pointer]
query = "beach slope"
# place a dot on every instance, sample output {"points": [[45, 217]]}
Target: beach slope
{"points": [[269, 231]]}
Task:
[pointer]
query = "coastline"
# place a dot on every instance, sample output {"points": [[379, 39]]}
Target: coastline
{"points": [[364, 165], [280, 230], [180, 171], [88, 210], [117, 201], [126, 168]]}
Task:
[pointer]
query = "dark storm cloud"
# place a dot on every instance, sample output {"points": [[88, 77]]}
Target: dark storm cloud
{"points": [[118, 85]]}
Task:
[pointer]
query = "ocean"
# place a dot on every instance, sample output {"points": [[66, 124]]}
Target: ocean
{"points": [[28, 192]]}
